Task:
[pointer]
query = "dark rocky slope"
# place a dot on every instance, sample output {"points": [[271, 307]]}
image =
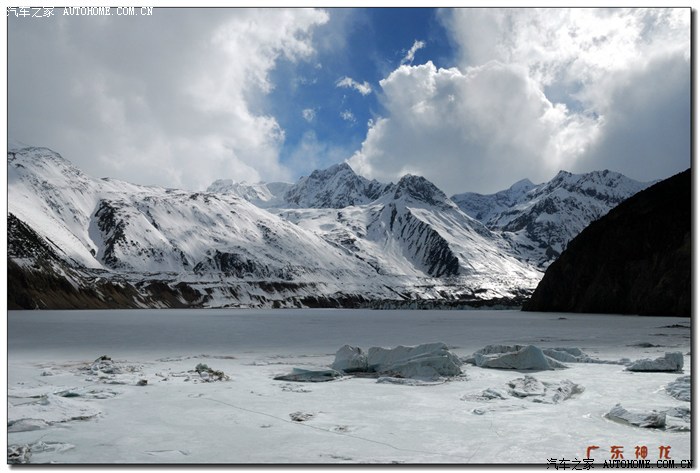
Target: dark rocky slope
{"points": [[634, 260]]}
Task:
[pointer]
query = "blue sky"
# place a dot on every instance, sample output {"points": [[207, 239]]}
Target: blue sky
{"points": [[378, 41], [490, 96]]}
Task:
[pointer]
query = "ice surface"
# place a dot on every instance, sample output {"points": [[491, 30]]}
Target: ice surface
{"points": [[47, 410], [176, 418], [668, 362]]}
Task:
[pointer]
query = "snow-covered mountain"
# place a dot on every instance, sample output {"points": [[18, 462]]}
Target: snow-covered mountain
{"points": [[261, 194], [539, 220], [415, 230], [485, 207], [162, 246], [334, 188]]}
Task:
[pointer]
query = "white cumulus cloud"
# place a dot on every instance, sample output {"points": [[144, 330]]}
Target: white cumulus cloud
{"points": [[363, 88], [535, 91], [462, 129]]}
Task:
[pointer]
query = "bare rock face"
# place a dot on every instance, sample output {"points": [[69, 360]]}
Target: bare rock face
{"points": [[634, 260]]}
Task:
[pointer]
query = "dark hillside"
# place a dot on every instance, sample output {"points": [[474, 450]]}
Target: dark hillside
{"points": [[634, 260]]}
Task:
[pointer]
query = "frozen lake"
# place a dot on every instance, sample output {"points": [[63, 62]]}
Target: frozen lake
{"points": [[175, 418]]}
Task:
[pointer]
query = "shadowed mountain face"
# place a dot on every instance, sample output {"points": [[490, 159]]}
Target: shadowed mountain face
{"points": [[634, 260]]}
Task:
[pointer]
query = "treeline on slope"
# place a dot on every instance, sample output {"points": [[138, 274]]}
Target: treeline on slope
{"points": [[634, 260]]}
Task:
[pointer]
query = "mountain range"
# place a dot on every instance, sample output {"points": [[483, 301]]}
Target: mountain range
{"points": [[333, 239]]}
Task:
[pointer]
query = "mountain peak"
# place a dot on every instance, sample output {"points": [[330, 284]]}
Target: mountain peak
{"points": [[337, 186], [339, 168], [523, 184], [220, 185], [561, 176], [420, 189], [44, 162]]}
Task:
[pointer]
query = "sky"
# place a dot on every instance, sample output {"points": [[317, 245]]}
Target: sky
{"points": [[472, 99]]}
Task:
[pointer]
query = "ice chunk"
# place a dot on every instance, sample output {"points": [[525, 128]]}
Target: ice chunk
{"points": [[561, 354], [651, 419], [678, 419], [680, 388], [350, 359], [565, 390], [88, 393], [430, 360], [669, 362], [544, 392], [527, 386], [208, 374], [492, 393], [567, 355], [104, 364], [573, 355], [301, 416], [515, 357], [310, 376], [679, 412]]}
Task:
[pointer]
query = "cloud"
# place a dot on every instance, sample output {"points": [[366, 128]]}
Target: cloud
{"points": [[309, 114], [348, 116], [462, 130], [535, 91], [363, 88], [576, 48], [647, 127], [180, 109], [410, 55]]}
